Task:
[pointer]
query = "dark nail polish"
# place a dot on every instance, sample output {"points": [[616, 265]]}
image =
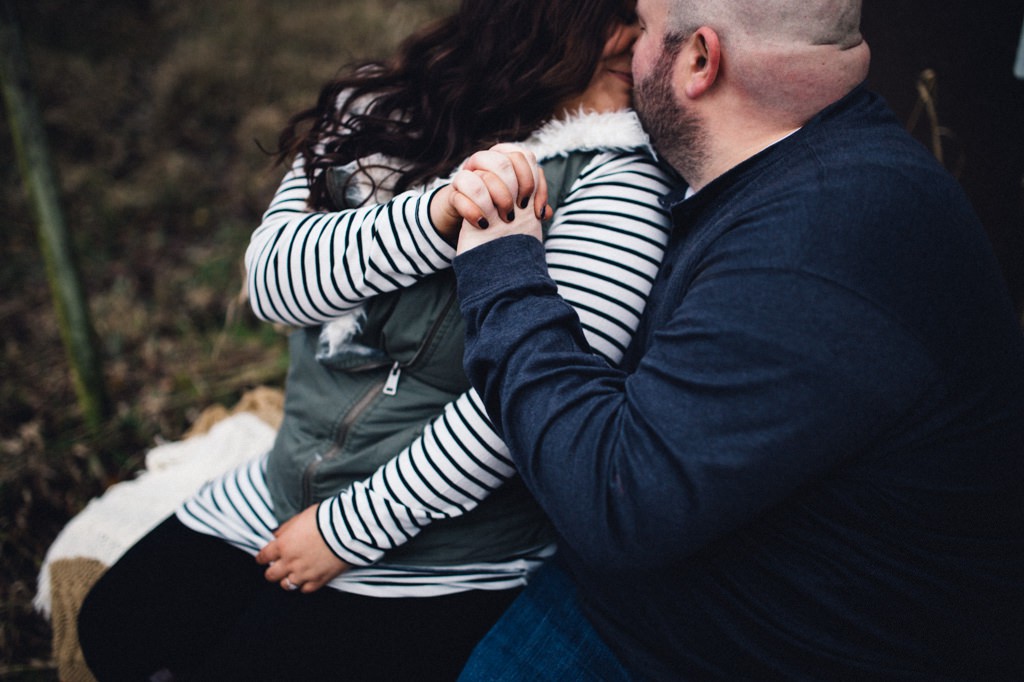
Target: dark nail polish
{"points": [[511, 216], [525, 202], [483, 224]]}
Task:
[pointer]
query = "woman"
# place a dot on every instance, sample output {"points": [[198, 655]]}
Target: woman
{"points": [[386, 482]]}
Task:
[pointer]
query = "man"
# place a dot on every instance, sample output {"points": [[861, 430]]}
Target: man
{"points": [[811, 465]]}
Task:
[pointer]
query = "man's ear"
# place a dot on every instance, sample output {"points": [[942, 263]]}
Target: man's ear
{"points": [[702, 54]]}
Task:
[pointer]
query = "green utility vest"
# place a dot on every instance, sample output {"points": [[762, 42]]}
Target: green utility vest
{"points": [[341, 423]]}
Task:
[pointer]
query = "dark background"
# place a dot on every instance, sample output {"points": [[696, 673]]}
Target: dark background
{"points": [[971, 46]]}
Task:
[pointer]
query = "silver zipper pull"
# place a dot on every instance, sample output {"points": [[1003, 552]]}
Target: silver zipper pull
{"points": [[391, 385]]}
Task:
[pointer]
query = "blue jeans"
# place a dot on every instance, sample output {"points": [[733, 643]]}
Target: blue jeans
{"points": [[544, 636]]}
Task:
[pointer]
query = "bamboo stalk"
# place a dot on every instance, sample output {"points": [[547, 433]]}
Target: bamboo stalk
{"points": [[40, 182]]}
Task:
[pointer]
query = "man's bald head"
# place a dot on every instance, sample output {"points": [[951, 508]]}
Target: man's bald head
{"points": [[719, 80], [778, 22], [788, 58]]}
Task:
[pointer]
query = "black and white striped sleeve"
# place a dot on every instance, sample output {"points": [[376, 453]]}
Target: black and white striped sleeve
{"points": [[603, 250], [305, 268]]}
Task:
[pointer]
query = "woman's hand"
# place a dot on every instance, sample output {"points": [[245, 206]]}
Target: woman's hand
{"points": [[298, 558], [493, 187]]}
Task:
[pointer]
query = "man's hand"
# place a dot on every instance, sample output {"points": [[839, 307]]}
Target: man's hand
{"points": [[298, 558]]}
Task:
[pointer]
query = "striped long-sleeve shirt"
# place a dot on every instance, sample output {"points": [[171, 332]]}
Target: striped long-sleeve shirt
{"points": [[603, 249]]}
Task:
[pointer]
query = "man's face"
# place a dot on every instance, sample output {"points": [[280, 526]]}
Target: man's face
{"points": [[674, 127]]}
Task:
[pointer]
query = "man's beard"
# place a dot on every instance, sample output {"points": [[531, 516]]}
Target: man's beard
{"points": [[676, 133]]}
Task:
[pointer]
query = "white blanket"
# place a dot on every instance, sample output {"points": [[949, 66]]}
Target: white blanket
{"points": [[113, 522]]}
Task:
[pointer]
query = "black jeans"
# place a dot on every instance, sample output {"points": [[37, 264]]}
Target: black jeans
{"points": [[183, 602]]}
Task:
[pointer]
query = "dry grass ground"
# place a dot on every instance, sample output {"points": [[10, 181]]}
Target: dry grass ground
{"points": [[155, 111]]}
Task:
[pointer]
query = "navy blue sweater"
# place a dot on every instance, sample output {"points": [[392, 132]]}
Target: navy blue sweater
{"points": [[811, 465]]}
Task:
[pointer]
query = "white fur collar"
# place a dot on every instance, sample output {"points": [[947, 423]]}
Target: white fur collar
{"points": [[588, 131], [576, 131]]}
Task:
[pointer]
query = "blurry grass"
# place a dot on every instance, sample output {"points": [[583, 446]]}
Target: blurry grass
{"points": [[155, 111]]}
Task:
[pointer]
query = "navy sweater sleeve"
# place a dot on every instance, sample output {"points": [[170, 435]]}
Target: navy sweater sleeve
{"points": [[725, 416]]}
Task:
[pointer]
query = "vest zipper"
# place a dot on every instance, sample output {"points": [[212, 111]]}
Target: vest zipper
{"points": [[340, 435], [388, 386], [391, 384]]}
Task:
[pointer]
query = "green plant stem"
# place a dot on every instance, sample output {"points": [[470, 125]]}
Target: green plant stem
{"points": [[40, 181]]}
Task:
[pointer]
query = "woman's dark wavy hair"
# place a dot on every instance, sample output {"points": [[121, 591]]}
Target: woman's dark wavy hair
{"points": [[494, 71]]}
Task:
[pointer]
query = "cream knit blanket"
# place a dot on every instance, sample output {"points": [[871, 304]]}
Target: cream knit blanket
{"points": [[98, 535]]}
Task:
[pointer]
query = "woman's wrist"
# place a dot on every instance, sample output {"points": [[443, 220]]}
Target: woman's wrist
{"points": [[445, 220]]}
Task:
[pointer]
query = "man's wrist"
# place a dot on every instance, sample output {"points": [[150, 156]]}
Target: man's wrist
{"points": [[500, 264]]}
